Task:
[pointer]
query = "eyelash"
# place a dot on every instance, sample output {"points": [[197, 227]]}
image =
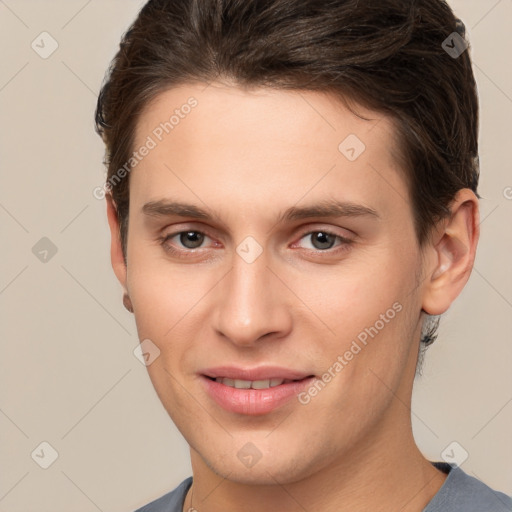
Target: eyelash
{"points": [[186, 253]]}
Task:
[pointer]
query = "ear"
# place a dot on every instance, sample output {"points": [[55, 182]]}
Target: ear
{"points": [[451, 254], [116, 252]]}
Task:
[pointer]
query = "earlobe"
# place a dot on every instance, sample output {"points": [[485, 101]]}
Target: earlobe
{"points": [[453, 254], [116, 251], [127, 302]]}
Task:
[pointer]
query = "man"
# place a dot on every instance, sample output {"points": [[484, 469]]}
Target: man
{"points": [[292, 198]]}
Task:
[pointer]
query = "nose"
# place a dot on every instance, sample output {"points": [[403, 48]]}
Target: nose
{"points": [[251, 303]]}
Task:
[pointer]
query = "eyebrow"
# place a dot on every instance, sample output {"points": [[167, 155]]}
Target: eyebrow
{"points": [[166, 208], [326, 208]]}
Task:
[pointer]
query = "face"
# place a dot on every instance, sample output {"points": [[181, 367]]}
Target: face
{"points": [[271, 237]]}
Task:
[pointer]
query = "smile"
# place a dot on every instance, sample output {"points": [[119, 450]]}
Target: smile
{"points": [[252, 384], [253, 397]]}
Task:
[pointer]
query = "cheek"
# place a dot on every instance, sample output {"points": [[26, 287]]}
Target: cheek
{"points": [[162, 292], [163, 298], [353, 295], [371, 309], [349, 298]]}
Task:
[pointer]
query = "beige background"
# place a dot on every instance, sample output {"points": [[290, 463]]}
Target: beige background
{"points": [[68, 373]]}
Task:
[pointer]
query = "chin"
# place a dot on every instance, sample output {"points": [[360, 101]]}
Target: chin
{"points": [[261, 475], [271, 468]]}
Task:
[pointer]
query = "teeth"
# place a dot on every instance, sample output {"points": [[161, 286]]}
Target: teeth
{"points": [[254, 384], [241, 384], [263, 384]]}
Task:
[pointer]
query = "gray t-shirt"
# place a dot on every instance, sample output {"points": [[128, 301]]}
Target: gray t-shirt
{"points": [[459, 493]]}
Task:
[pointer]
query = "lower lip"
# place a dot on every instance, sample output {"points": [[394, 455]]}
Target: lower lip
{"points": [[253, 401]]}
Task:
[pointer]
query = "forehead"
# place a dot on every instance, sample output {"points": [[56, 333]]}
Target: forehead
{"points": [[288, 116], [279, 145]]}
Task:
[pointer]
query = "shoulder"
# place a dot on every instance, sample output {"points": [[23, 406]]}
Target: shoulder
{"points": [[170, 502], [464, 493]]}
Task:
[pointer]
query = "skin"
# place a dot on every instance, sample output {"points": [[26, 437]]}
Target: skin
{"points": [[245, 157]]}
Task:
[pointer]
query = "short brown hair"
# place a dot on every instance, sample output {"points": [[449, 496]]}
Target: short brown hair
{"points": [[386, 55]]}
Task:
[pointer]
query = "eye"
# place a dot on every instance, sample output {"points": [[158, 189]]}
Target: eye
{"points": [[323, 240], [189, 239], [184, 243]]}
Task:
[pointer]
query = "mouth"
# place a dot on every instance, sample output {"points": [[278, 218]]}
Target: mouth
{"points": [[260, 392], [254, 384]]}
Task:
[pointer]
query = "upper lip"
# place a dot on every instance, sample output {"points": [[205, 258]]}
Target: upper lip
{"points": [[252, 374]]}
